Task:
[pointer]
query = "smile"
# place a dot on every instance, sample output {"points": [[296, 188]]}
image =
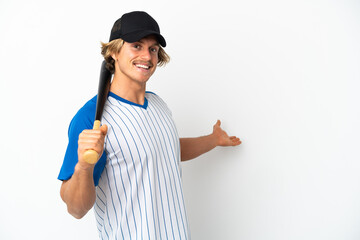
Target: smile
{"points": [[142, 66]]}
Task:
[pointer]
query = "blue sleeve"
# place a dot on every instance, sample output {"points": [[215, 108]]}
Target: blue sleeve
{"points": [[83, 119]]}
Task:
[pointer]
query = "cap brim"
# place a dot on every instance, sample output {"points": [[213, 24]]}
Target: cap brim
{"points": [[138, 35]]}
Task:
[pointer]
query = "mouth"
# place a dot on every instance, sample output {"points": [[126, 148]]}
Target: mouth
{"points": [[142, 66]]}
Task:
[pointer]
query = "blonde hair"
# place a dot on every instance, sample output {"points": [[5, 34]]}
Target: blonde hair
{"points": [[107, 49]]}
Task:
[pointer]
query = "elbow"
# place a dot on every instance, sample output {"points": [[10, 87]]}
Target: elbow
{"points": [[77, 210], [76, 213], [77, 204], [73, 208]]}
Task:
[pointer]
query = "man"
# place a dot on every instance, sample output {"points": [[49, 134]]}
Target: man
{"points": [[135, 187]]}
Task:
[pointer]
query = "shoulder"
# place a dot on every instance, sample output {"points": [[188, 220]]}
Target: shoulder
{"points": [[157, 101], [89, 107], [84, 117], [153, 96], [150, 93]]}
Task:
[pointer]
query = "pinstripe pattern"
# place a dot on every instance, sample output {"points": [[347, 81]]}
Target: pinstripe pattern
{"points": [[139, 195]]}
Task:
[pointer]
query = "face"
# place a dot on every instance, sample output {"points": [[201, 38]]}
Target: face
{"points": [[137, 61]]}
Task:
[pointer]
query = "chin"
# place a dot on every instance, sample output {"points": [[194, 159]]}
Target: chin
{"points": [[144, 78]]}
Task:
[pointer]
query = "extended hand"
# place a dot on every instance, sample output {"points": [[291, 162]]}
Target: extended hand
{"points": [[222, 138]]}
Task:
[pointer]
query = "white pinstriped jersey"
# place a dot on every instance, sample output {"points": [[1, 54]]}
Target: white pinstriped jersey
{"points": [[139, 194]]}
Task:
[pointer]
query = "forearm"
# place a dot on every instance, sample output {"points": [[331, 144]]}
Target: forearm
{"points": [[79, 191], [194, 147]]}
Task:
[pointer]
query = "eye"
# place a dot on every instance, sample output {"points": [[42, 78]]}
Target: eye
{"points": [[136, 46], [154, 49]]}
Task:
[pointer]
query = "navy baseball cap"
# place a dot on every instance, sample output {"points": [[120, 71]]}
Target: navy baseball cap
{"points": [[133, 26]]}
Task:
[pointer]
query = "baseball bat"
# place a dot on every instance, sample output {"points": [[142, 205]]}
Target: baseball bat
{"points": [[91, 156]]}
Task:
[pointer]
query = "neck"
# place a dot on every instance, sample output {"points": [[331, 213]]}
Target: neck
{"points": [[129, 90]]}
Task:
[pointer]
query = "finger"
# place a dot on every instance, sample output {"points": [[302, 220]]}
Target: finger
{"points": [[104, 129], [91, 132], [217, 124], [236, 141], [94, 135], [89, 143]]}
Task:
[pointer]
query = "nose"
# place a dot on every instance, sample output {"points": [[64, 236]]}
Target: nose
{"points": [[146, 55]]}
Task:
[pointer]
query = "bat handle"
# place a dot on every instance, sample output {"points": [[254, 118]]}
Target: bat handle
{"points": [[91, 156]]}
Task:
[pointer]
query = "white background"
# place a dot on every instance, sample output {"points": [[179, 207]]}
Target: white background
{"points": [[282, 75]]}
